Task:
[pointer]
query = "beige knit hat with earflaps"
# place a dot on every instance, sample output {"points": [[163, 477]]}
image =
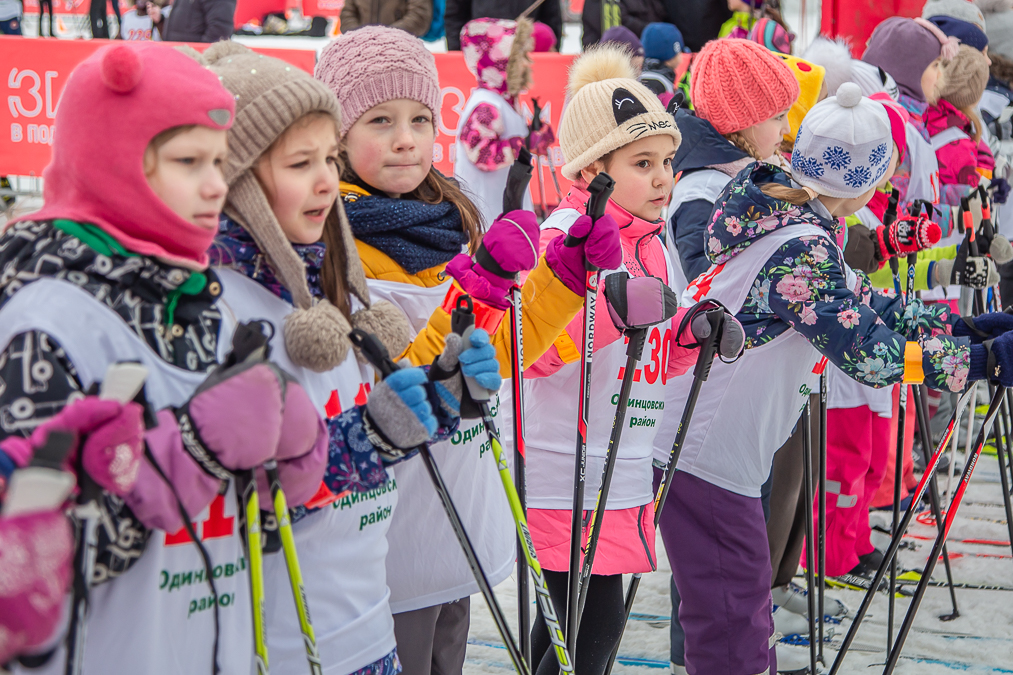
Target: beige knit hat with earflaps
{"points": [[607, 109], [270, 96]]}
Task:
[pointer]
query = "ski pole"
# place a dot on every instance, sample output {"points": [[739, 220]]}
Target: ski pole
{"points": [[895, 541], [708, 329], [822, 503], [922, 408], [807, 471], [898, 470], [376, 353], [462, 321], [518, 180], [536, 124], [634, 350], [250, 526], [600, 190], [1001, 434], [292, 563], [972, 460], [122, 382]]}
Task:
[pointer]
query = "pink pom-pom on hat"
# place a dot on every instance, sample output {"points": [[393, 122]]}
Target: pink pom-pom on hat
{"points": [[121, 69]]}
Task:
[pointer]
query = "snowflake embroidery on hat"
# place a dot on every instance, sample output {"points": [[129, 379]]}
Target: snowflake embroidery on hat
{"points": [[810, 166], [836, 158], [878, 154], [857, 177]]}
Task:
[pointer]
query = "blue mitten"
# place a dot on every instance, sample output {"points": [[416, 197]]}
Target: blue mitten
{"points": [[399, 409], [984, 327], [479, 361], [993, 360]]}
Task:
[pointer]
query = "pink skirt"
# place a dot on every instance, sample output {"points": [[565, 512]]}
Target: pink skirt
{"points": [[625, 546]]}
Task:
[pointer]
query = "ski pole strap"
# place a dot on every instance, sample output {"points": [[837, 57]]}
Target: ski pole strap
{"points": [[196, 448], [485, 259], [486, 317]]}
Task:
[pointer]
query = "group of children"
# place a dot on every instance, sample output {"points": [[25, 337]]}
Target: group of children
{"points": [[251, 203]]}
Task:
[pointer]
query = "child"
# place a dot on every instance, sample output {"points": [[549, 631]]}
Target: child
{"points": [[772, 241], [138, 24], [663, 50], [612, 124], [114, 268], [772, 35], [492, 129], [287, 245], [739, 121], [410, 225]]}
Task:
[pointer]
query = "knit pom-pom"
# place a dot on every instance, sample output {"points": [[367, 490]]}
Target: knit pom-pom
{"points": [[601, 62], [386, 322], [848, 95], [835, 57], [317, 338], [1000, 250], [121, 69], [223, 49]]}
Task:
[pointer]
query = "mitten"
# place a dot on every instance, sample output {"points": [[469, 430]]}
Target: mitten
{"points": [[906, 235], [302, 449], [541, 139], [509, 247], [993, 360], [36, 556], [232, 422], [1000, 190], [597, 244], [448, 394], [398, 414], [110, 440], [984, 327], [972, 271]]}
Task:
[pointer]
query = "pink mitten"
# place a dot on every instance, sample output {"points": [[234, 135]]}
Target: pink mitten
{"points": [[113, 434], [232, 422], [36, 553], [302, 451], [598, 244], [510, 246], [542, 139]]}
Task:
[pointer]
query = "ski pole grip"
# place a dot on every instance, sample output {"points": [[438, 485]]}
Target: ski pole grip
{"points": [[707, 330], [518, 179], [374, 351], [600, 190], [462, 322], [968, 220]]}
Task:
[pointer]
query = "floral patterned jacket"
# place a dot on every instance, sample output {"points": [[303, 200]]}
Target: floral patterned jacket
{"points": [[803, 286]]}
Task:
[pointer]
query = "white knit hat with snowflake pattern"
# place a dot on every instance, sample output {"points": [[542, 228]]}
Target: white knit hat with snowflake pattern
{"points": [[844, 145]]}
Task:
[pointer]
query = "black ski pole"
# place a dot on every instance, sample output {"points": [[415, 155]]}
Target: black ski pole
{"points": [[898, 470], [972, 460], [377, 355], [518, 179], [1001, 435], [708, 329], [600, 190], [922, 408], [822, 503], [807, 470]]}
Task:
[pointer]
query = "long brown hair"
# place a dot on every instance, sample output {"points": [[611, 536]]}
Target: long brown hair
{"points": [[435, 188], [795, 196], [332, 270]]}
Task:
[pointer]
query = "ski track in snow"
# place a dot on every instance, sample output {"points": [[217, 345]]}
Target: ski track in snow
{"points": [[933, 647]]}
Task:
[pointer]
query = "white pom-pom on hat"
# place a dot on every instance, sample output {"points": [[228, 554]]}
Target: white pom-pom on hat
{"points": [[849, 95]]}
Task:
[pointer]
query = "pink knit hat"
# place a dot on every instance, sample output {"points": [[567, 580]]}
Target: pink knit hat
{"points": [[97, 171], [738, 83], [374, 64]]}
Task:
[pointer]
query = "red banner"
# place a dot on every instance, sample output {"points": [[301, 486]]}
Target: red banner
{"points": [[856, 19], [36, 71]]}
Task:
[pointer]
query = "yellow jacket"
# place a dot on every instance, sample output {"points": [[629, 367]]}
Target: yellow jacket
{"points": [[547, 307]]}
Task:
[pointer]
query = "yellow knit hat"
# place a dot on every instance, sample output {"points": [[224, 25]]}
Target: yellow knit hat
{"points": [[607, 109], [810, 83]]}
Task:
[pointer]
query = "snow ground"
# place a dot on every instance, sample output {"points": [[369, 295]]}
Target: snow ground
{"points": [[979, 641]]}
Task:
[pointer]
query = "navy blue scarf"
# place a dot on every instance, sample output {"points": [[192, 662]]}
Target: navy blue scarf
{"points": [[414, 234]]}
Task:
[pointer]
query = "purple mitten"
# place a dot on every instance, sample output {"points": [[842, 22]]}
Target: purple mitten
{"points": [[598, 244], [302, 451], [113, 434], [638, 302], [542, 139], [233, 421], [36, 552], [510, 246]]}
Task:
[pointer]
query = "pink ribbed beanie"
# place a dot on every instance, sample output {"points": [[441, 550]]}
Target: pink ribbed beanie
{"points": [[374, 64], [738, 83]]}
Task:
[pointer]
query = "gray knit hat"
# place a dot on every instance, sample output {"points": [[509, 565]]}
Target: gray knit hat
{"points": [[270, 96], [957, 9]]}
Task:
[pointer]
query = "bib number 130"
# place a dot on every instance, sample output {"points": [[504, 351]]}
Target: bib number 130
{"points": [[655, 361]]}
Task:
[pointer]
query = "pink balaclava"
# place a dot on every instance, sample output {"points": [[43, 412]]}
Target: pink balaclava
{"points": [[115, 102]]}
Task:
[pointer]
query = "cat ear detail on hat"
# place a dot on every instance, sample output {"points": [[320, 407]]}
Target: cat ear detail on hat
{"points": [[121, 69]]}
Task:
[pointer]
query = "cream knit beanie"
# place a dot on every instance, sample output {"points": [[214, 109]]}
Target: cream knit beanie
{"points": [[607, 109], [964, 77], [270, 96]]}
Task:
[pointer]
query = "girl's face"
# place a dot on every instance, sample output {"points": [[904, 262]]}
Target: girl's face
{"points": [[300, 177], [766, 136], [186, 174], [643, 174], [391, 146], [930, 78]]}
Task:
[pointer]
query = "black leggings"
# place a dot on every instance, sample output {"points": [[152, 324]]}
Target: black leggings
{"points": [[600, 627]]}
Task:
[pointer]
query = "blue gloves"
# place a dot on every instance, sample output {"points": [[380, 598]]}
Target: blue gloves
{"points": [[985, 327], [479, 361], [399, 409]]}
